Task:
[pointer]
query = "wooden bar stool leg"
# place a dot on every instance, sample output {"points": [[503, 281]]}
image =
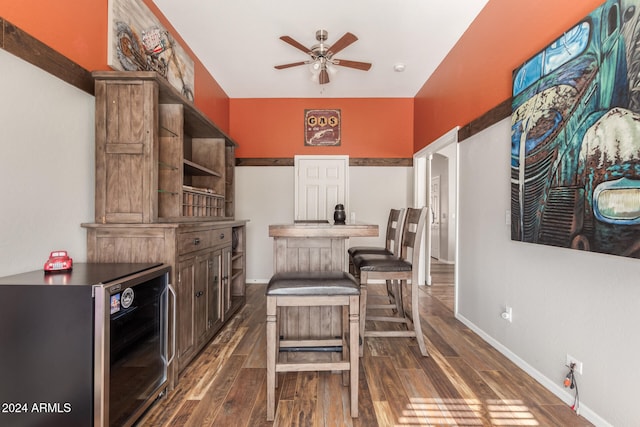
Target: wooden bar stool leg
{"points": [[271, 357], [396, 286], [354, 359], [415, 314], [363, 310], [345, 341]]}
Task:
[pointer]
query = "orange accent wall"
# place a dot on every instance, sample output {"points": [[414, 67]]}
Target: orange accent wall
{"points": [[476, 75], [371, 127], [473, 78], [78, 30]]}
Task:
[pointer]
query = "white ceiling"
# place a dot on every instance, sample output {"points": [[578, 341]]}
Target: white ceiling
{"points": [[238, 42]]}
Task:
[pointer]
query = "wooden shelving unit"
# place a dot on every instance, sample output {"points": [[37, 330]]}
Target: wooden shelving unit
{"points": [[165, 193], [152, 145]]}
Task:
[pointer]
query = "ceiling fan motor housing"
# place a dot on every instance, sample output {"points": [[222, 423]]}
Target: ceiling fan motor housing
{"points": [[321, 35], [319, 50]]}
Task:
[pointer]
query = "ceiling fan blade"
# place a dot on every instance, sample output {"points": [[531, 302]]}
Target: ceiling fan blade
{"points": [[343, 42], [323, 78], [295, 44], [293, 64], [364, 66]]}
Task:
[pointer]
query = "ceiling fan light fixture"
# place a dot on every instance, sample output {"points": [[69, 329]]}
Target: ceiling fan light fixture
{"points": [[321, 63], [314, 67]]}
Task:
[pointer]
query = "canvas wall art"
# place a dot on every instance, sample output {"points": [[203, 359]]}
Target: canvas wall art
{"points": [[575, 142], [138, 42]]}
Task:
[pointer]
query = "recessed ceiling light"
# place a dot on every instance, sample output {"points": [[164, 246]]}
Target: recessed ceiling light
{"points": [[398, 68]]}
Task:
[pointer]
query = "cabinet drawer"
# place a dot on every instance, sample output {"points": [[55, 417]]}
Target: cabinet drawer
{"points": [[221, 236], [194, 241]]}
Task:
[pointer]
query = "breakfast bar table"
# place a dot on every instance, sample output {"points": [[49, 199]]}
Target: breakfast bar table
{"points": [[313, 246]]}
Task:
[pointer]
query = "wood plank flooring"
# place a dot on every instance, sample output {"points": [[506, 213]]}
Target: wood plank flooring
{"points": [[465, 382]]}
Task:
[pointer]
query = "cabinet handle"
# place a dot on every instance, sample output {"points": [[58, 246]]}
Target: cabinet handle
{"points": [[221, 236], [196, 241], [199, 294]]}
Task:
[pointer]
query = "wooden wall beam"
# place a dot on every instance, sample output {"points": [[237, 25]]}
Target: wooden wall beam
{"points": [[491, 117], [288, 161], [26, 47], [280, 161]]}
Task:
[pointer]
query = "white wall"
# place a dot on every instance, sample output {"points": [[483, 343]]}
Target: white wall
{"points": [[264, 195], [46, 166], [564, 301]]}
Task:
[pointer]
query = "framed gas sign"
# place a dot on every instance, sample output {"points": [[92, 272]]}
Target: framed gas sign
{"points": [[322, 127]]}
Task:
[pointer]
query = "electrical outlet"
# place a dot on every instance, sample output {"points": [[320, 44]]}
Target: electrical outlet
{"points": [[507, 314], [577, 368]]}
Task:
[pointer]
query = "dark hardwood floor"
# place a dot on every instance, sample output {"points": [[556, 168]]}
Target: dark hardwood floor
{"points": [[464, 382]]}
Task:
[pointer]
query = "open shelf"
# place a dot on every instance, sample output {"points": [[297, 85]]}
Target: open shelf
{"points": [[194, 169]]}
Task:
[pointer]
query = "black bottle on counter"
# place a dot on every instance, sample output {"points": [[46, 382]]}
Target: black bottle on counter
{"points": [[339, 215]]}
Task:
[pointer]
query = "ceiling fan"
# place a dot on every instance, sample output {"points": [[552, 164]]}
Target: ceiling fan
{"points": [[322, 55]]}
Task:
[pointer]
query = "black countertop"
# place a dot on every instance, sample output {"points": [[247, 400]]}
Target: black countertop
{"points": [[82, 274]]}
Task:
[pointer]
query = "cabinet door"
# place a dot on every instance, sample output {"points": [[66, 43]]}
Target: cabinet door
{"points": [[226, 281], [185, 294], [126, 146], [214, 314], [200, 297]]}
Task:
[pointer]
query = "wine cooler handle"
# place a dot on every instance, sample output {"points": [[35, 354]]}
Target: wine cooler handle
{"points": [[173, 326]]}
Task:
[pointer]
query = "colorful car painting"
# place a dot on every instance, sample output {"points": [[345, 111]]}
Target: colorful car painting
{"points": [[575, 142]]}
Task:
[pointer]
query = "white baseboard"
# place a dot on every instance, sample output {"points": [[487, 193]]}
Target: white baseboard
{"points": [[550, 385]]}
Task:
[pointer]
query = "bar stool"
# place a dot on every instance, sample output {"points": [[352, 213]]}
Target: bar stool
{"points": [[312, 289], [398, 269], [391, 247], [392, 238]]}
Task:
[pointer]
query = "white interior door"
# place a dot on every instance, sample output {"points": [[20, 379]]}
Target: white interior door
{"points": [[422, 189], [321, 182], [435, 217]]}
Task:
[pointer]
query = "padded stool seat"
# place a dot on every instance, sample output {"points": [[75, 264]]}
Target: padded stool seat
{"points": [[313, 283], [358, 250], [308, 289], [380, 262]]}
